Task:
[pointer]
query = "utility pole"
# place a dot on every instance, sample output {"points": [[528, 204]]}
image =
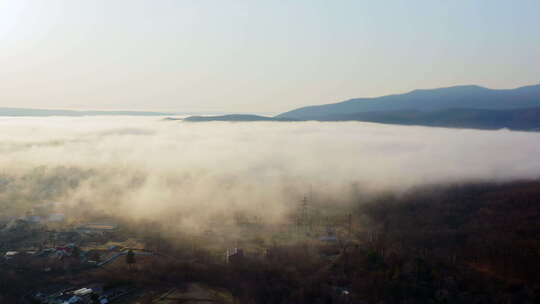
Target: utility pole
{"points": [[350, 224], [304, 217]]}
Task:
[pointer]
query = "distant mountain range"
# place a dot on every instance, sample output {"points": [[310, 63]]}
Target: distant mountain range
{"points": [[43, 112], [458, 97], [519, 119], [459, 106]]}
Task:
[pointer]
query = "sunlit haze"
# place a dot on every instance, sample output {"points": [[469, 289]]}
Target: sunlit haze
{"points": [[269, 151], [256, 56]]}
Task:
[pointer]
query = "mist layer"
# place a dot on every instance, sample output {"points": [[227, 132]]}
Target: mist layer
{"points": [[147, 168]]}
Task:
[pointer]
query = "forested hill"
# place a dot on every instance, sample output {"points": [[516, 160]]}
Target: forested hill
{"points": [[234, 117], [518, 119], [459, 106], [461, 97]]}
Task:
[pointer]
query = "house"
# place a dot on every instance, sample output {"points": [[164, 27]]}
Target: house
{"points": [[56, 217], [34, 219], [10, 254], [234, 256], [330, 236], [99, 228]]}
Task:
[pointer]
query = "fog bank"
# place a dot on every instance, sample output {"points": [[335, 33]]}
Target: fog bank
{"points": [[148, 168]]}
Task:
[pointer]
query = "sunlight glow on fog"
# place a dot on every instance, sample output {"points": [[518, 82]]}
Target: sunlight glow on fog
{"points": [[256, 56], [147, 167]]}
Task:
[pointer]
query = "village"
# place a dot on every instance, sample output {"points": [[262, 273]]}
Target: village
{"points": [[105, 260]]}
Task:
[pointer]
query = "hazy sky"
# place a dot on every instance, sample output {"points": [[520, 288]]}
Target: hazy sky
{"points": [[256, 56]]}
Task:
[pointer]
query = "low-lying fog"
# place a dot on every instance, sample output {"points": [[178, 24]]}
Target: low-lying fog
{"points": [[149, 168]]}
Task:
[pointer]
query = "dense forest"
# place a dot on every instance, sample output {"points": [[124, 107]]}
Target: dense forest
{"points": [[462, 243]]}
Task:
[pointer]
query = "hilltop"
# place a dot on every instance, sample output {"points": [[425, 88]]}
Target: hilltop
{"points": [[236, 117], [468, 106], [456, 97]]}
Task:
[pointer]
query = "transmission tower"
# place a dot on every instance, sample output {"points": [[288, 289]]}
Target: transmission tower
{"points": [[303, 221]]}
